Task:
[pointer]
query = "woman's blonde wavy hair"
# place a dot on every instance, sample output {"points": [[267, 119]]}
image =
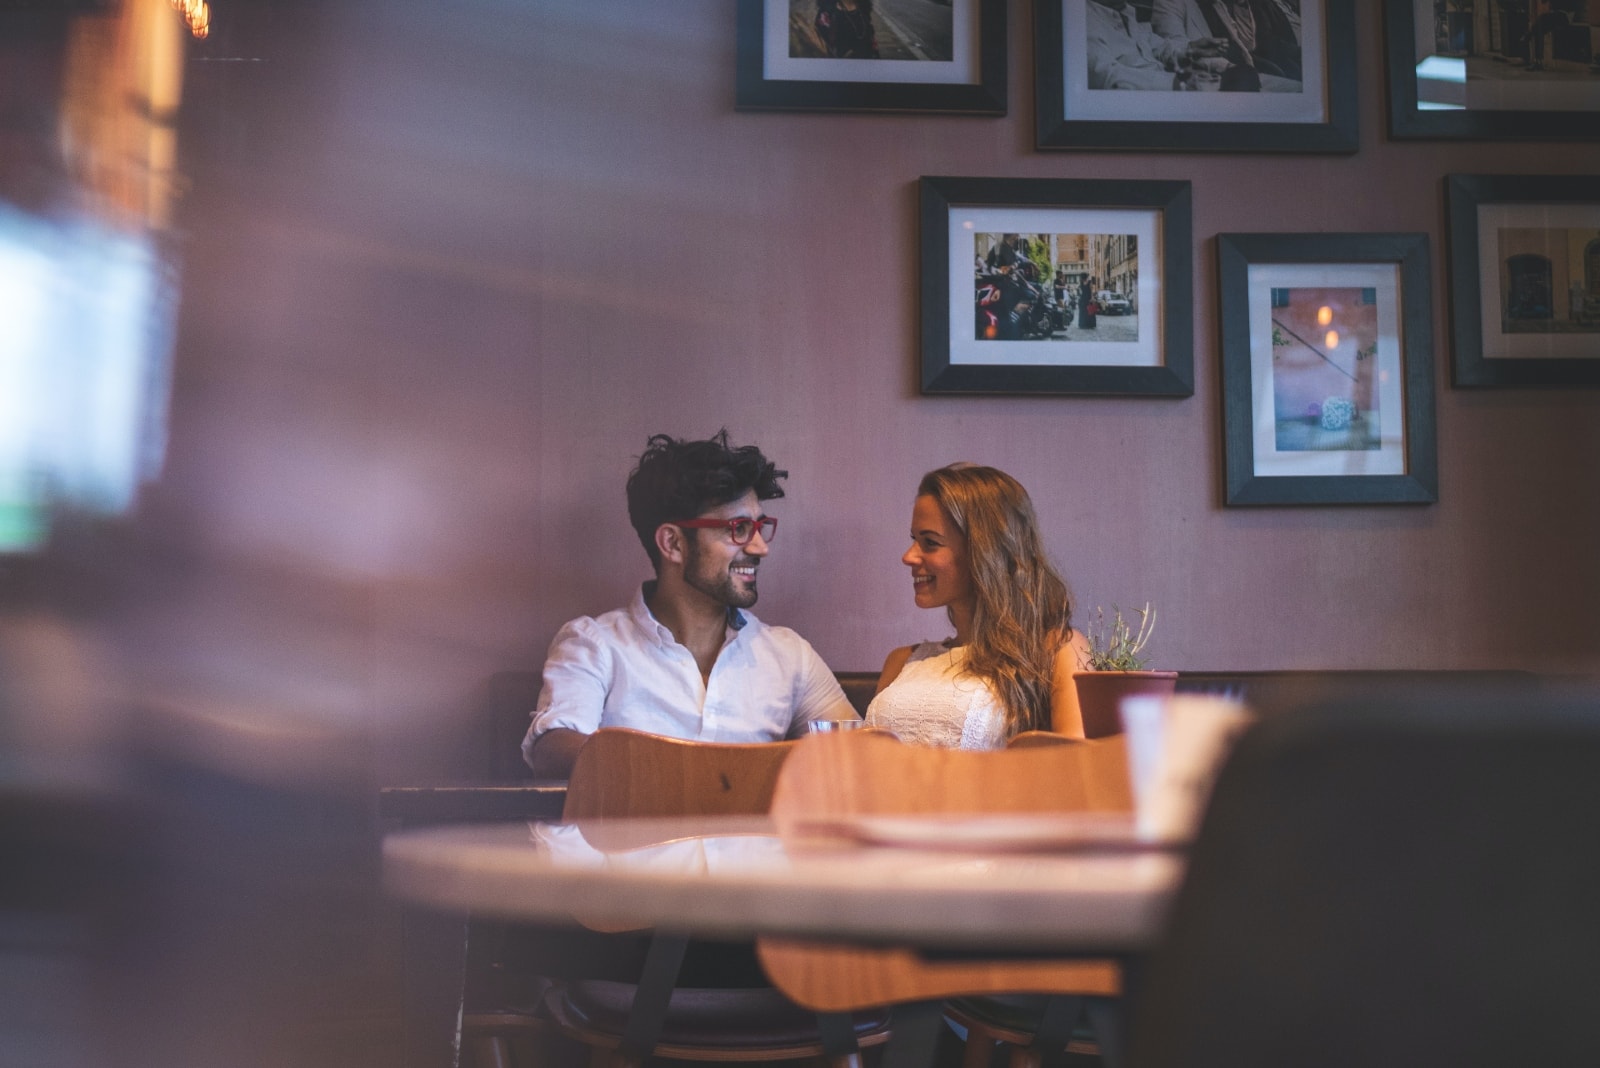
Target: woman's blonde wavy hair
{"points": [[1023, 610]]}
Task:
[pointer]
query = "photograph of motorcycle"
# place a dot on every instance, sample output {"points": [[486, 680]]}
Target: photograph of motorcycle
{"points": [[1012, 304]]}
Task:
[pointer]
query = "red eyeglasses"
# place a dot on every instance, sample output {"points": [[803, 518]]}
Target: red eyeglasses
{"points": [[741, 530]]}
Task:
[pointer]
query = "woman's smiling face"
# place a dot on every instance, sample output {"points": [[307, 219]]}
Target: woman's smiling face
{"points": [[937, 558]]}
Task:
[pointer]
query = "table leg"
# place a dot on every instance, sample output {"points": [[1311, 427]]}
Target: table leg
{"points": [[434, 955], [916, 1026]]}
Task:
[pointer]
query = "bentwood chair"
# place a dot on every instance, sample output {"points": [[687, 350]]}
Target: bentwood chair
{"points": [[689, 999], [840, 776], [1410, 882]]}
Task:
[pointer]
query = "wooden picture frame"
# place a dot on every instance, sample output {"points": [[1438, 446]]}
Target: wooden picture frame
{"points": [[1467, 70], [1524, 254], [1038, 285], [957, 68], [1097, 87], [1327, 369]]}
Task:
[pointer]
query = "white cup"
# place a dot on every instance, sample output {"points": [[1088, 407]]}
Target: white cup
{"points": [[1176, 745]]}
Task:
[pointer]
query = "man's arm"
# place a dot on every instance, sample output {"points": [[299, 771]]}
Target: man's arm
{"points": [[571, 701], [818, 693], [554, 752]]}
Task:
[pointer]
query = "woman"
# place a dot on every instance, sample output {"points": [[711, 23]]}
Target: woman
{"points": [[976, 553]]}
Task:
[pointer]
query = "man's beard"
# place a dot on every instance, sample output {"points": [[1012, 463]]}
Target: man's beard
{"points": [[718, 584]]}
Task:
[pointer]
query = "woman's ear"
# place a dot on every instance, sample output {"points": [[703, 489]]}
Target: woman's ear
{"points": [[670, 542]]}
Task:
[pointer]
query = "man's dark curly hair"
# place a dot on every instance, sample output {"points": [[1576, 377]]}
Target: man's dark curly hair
{"points": [[680, 479]]}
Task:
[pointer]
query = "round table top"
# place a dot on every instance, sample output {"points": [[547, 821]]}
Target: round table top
{"points": [[933, 881]]}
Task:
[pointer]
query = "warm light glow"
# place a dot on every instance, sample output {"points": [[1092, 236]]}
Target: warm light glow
{"points": [[1324, 315], [1331, 339], [197, 13]]}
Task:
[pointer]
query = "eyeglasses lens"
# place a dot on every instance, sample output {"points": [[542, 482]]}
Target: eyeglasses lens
{"points": [[744, 529]]}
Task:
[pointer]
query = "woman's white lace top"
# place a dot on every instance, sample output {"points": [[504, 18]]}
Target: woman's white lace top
{"points": [[931, 703]]}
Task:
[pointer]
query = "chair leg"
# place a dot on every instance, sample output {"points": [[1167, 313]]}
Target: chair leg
{"points": [[1105, 1017], [979, 1050], [600, 1057], [915, 1028], [492, 1051], [1025, 1057]]}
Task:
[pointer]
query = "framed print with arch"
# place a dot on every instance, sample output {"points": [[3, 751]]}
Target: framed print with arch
{"points": [[944, 56], [1524, 279], [1043, 285], [1327, 369], [1196, 75]]}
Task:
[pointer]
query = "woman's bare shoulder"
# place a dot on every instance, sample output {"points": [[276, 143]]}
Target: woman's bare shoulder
{"points": [[893, 665]]}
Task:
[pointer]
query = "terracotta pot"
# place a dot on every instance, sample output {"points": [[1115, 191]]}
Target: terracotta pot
{"points": [[1100, 693]]}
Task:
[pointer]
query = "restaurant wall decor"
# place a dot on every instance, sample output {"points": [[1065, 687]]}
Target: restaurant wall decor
{"points": [[1041, 285], [1327, 369], [1493, 70], [1111, 76], [841, 55], [1524, 279]]}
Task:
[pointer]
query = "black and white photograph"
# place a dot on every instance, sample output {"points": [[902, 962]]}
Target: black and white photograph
{"points": [[1056, 286], [1327, 368], [1525, 279], [872, 55], [1494, 68], [1135, 73]]}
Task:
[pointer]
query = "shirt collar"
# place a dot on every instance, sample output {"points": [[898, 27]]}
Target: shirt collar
{"points": [[640, 610]]}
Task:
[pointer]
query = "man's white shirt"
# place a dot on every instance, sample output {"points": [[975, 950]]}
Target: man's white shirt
{"points": [[624, 669]]}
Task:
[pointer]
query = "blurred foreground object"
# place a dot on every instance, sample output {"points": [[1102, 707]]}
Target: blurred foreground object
{"points": [[1391, 882]]}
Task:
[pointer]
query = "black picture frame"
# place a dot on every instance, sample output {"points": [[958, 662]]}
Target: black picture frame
{"points": [[1444, 79], [1489, 354], [954, 359], [1120, 127], [985, 95], [1300, 467]]}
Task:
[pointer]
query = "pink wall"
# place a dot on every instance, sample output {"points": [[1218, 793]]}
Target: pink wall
{"points": [[447, 265]]}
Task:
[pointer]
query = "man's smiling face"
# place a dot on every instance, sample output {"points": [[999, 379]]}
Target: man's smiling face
{"points": [[717, 567]]}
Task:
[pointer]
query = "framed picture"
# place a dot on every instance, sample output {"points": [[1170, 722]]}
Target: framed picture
{"points": [[872, 55], [1041, 285], [1327, 369], [1196, 75], [1493, 69], [1524, 279]]}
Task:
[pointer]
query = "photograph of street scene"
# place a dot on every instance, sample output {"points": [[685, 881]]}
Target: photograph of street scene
{"points": [[1324, 369], [1247, 46], [1550, 278], [1514, 41], [871, 29], [1061, 287]]}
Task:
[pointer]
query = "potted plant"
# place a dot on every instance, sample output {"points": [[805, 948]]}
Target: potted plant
{"points": [[1115, 668]]}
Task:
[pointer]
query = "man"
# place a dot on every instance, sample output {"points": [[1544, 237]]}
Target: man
{"points": [[685, 659], [1125, 53]]}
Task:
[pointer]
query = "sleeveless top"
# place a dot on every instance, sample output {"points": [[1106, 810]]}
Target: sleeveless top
{"points": [[931, 703]]}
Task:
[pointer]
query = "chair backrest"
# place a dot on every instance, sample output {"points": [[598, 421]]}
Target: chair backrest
{"points": [[628, 773], [861, 773], [1029, 739], [1409, 883]]}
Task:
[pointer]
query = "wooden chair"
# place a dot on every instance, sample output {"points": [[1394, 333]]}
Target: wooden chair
{"points": [[626, 774], [630, 774], [841, 776], [1031, 739]]}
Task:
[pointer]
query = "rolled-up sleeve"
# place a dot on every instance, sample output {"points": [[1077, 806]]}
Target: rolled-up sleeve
{"points": [[576, 679]]}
